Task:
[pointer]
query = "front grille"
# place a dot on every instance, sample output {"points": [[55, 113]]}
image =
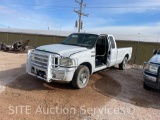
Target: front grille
{"points": [[150, 74], [44, 60], [41, 60]]}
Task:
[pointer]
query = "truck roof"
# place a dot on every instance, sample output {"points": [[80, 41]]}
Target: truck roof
{"points": [[93, 34], [85, 33]]}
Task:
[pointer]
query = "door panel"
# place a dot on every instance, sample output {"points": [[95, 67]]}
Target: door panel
{"points": [[113, 55], [109, 53]]}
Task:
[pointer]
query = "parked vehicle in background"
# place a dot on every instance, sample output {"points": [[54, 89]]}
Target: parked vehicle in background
{"points": [[151, 72], [76, 58]]}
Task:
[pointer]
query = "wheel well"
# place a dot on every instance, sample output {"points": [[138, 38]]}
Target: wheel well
{"points": [[88, 65]]}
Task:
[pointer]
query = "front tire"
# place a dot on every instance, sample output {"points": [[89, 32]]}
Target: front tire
{"points": [[124, 63], [81, 77]]}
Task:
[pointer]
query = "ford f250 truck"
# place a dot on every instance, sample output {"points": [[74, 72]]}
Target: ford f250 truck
{"points": [[76, 58]]}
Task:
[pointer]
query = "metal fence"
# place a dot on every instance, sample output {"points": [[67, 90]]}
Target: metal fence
{"points": [[141, 51], [35, 39]]}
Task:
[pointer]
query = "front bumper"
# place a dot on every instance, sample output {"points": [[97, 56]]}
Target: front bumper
{"points": [[151, 80], [60, 74], [46, 67]]}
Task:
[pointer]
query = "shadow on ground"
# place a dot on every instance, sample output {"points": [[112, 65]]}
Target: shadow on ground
{"points": [[126, 86], [27, 82]]}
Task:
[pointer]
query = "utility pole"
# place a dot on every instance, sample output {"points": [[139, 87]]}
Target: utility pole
{"points": [[80, 13]]}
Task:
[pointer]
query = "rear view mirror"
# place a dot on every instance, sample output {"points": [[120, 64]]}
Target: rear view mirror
{"points": [[154, 51]]}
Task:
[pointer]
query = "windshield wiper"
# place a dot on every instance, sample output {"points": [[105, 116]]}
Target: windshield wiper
{"points": [[65, 43], [70, 44], [73, 44]]}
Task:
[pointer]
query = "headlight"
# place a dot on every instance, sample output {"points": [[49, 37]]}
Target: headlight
{"points": [[151, 67], [67, 62]]}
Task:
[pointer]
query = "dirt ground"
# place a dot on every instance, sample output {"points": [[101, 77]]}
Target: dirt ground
{"points": [[111, 94]]}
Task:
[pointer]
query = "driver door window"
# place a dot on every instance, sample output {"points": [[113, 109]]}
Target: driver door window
{"points": [[100, 46]]}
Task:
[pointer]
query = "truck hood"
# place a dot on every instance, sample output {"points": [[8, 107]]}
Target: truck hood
{"points": [[63, 50], [155, 59]]}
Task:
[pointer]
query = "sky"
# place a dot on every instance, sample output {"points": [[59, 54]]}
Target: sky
{"points": [[105, 16]]}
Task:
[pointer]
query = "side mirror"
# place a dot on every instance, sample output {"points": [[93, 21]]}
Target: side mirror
{"points": [[154, 51]]}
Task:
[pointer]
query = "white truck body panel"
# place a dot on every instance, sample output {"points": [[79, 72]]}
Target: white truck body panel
{"points": [[63, 50], [113, 59], [121, 52], [44, 61]]}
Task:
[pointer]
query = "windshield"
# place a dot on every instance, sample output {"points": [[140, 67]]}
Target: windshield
{"points": [[83, 40]]}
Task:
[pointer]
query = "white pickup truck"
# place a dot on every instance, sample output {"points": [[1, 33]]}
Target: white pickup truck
{"points": [[76, 58]]}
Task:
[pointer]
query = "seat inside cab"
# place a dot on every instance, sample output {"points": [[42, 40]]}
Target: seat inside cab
{"points": [[101, 51]]}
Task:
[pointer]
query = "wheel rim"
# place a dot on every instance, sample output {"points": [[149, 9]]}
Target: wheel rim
{"points": [[83, 77], [125, 62]]}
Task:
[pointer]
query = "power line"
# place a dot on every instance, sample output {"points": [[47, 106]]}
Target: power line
{"points": [[117, 2], [124, 7], [34, 5], [80, 13], [70, 7], [64, 8], [60, 1]]}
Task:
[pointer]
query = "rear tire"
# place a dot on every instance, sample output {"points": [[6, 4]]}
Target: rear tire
{"points": [[124, 63], [81, 77]]}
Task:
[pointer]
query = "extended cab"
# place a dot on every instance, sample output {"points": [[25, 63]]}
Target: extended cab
{"points": [[76, 58]]}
